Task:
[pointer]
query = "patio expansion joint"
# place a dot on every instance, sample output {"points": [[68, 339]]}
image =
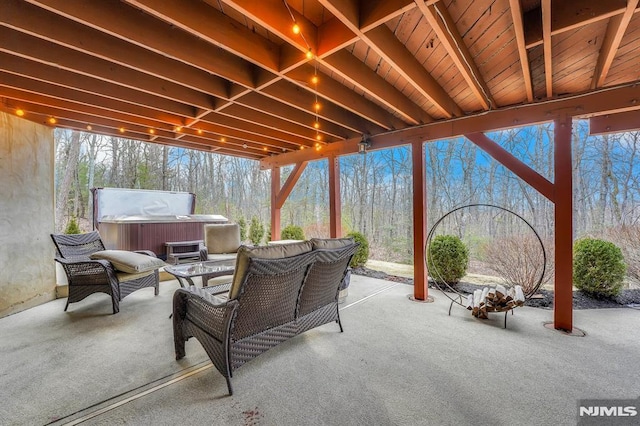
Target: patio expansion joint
{"points": [[370, 296], [129, 396]]}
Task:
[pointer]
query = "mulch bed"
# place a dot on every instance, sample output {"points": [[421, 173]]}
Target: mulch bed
{"points": [[544, 298]]}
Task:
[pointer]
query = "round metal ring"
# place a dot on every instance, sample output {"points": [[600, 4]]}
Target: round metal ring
{"points": [[459, 296]]}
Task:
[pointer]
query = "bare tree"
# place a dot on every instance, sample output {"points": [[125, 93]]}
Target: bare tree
{"points": [[71, 167]]}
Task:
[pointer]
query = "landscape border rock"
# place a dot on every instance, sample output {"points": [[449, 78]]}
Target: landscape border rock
{"points": [[543, 299]]}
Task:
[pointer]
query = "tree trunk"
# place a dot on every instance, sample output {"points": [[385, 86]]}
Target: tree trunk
{"points": [[67, 181]]}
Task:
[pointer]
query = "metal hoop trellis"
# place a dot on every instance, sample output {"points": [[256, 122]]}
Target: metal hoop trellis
{"points": [[459, 296]]}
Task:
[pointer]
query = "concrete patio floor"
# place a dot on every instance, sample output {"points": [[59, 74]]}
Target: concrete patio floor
{"points": [[397, 363]]}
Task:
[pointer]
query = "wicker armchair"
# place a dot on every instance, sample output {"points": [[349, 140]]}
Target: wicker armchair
{"points": [[86, 276], [277, 299]]}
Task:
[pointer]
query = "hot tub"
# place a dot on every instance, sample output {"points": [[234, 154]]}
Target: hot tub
{"points": [[130, 219]]}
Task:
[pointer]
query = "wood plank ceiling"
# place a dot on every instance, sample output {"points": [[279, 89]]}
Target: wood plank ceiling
{"points": [[231, 76]]}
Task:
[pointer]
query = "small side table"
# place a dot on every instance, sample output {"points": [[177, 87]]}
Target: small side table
{"points": [[207, 270]]}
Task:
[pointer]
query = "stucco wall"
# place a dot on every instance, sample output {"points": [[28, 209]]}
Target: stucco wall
{"points": [[27, 271]]}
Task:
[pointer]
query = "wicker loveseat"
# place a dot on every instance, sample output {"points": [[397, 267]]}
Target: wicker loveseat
{"points": [[277, 293]]}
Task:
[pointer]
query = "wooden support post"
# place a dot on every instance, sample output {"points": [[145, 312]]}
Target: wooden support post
{"points": [[563, 285], [420, 287], [275, 208], [335, 205]]}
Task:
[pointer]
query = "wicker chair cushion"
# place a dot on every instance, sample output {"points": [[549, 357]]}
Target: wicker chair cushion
{"points": [[276, 251], [128, 261], [331, 243], [126, 276], [222, 238]]}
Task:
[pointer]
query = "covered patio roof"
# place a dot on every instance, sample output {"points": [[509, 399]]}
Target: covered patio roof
{"points": [[232, 76]]}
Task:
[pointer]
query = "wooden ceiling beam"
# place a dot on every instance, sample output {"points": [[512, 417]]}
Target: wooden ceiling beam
{"points": [[257, 129], [364, 78], [285, 94], [615, 30], [70, 80], [546, 43], [272, 106], [44, 25], [47, 53], [290, 94], [56, 105], [60, 115], [374, 13], [445, 29], [568, 15], [274, 19], [518, 28], [280, 22], [223, 148], [198, 18], [333, 35], [149, 28], [117, 20], [382, 40], [231, 133], [258, 117], [615, 123], [609, 100], [25, 84], [118, 121], [174, 12], [337, 93]]}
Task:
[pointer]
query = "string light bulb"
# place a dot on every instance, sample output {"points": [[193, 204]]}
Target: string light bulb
{"points": [[318, 137], [316, 124], [52, 120], [199, 131], [20, 112], [178, 129], [315, 79], [309, 54], [296, 29], [316, 105], [121, 129], [151, 131], [223, 139], [89, 127]]}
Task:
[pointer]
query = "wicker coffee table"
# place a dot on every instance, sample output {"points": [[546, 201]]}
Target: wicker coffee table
{"points": [[207, 269]]}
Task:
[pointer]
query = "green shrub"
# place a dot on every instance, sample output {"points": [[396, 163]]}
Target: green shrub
{"points": [[292, 232], [598, 267], [72, 226], [362, 254], [243, 229], [256, 231], [447, 258]]}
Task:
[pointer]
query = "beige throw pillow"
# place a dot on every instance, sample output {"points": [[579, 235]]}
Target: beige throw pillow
{"points": [[128, 261], [276, 251], [331, 243], [222, 238]]}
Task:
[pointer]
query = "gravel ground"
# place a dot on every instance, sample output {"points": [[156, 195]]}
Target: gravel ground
{"points": [[544, 299]]}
